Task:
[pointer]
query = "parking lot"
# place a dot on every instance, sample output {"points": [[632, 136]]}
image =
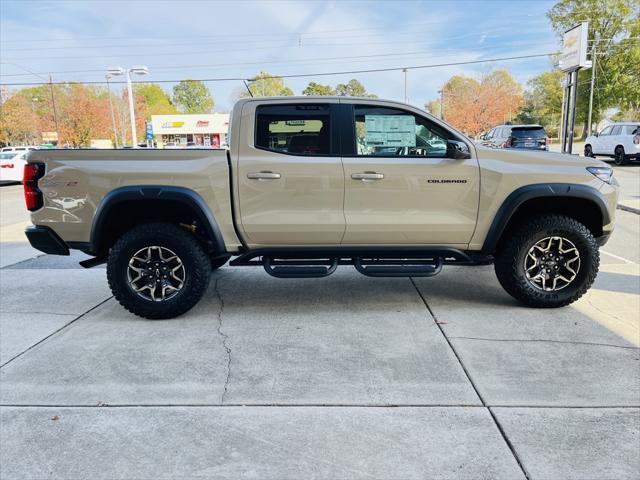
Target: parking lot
{"points": [[343, 377]]}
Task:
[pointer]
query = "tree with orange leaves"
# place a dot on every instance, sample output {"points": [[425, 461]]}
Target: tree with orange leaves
{"points": [[18, 122], [475, 106]]}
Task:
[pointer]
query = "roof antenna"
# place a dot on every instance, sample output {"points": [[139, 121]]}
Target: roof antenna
{"points": [[248, 89]]}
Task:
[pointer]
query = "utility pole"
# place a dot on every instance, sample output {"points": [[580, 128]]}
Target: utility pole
{"points": [[55, 111], [441, 92], [593, 81], [406, 99]]}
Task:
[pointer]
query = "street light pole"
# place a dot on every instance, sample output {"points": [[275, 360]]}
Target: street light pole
{"points": [[138, 70], [132, 114], [406, 99], [441, 92], [55, 111], [113, 118]]}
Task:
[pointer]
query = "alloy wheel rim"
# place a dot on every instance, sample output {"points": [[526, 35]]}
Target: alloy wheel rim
{"points": [[552, 264], [156, 273]]}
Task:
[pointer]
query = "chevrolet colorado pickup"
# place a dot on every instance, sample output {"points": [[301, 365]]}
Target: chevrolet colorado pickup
{"points": [[312, 183]]}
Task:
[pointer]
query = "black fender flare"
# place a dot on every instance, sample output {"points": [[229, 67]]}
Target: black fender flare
{"points": [[539, 190], [183, 195]]}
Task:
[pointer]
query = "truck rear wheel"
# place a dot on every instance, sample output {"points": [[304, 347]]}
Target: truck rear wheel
{"points": [[158, 270], [551, 261]]}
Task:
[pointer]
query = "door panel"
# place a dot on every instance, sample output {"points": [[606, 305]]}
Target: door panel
{"points": [[413, 199], [410, 205], [290, 197]]}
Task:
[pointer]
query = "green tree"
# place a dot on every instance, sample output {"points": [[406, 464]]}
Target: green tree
{"points": [[192, 96], [267, 85], [318, 89], [543, 101], [613, 24], [353, 88], [433, 107], [156, 99]]}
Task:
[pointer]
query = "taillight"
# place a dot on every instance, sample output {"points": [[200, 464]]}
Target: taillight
{"points": [[636, 139], [32, 194]]}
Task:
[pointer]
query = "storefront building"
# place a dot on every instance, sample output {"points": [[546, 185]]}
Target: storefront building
{"points": [[191, 130]]}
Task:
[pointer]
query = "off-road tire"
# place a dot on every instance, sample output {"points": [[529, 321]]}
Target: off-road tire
{"points": [[588, 151], [197, 267], [509, 260], [619, 157]]}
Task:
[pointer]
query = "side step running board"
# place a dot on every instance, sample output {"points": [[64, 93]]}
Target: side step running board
{"points": [[399, 267], [294, 268]]}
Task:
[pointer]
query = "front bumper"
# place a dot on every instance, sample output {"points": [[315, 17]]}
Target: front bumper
{"points": [[46, 240]]}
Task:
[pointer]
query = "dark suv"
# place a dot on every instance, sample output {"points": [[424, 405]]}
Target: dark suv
{"points": [[531, 137]]}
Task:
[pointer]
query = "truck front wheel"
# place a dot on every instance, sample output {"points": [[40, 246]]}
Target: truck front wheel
{"points": [[551, 261], [158, 270]]}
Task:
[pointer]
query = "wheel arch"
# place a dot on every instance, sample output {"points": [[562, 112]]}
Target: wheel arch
{"points": [[582, 202], [125, 207]]}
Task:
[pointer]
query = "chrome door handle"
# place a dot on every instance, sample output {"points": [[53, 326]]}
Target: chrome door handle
{"points": [[367, 176], [263, 176]]}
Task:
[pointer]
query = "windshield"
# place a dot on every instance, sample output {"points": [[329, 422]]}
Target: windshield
{"points": [[535, 132]]}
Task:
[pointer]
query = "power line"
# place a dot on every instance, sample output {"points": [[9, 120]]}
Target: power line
{"points": [[317, 74], [382, 56]]}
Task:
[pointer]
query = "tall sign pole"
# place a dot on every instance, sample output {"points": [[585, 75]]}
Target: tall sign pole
{"points": [[574, 58]]}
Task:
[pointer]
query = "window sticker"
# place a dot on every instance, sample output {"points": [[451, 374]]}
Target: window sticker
{"points": [[390, 131]]}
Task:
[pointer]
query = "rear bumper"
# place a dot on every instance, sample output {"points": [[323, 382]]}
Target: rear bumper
{"points": [[46, 240]]}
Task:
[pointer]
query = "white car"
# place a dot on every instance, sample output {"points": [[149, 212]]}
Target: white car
{"points": [[17, 149], [621, 141], [12, 166]]}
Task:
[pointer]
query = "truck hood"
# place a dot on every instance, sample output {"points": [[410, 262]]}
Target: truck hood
{"points": [[536, 157]]}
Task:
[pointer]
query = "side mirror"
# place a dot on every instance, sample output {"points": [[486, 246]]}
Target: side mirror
{"points": [[457, 150], [596, 134]]}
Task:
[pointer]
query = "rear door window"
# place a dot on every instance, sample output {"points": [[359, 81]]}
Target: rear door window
{"points": [[616, 130], [631, 129], [303, 129]]}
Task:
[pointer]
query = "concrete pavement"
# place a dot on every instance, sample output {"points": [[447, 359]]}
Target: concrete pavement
{"points": [[343, 377]]}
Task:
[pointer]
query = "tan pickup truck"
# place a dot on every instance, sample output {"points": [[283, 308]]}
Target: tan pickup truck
{"points": [[309, 184]]}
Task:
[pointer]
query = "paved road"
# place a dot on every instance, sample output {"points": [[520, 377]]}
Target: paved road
{"points": [[343, 377]]}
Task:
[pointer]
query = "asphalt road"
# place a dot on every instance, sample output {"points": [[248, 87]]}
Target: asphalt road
{"points": [[343, 377]]}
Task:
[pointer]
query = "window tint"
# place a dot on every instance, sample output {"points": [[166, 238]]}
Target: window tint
{"points": [[524, 132], [382, 131], [616, 130], [606, 131], [633, 129], [297, 129]]}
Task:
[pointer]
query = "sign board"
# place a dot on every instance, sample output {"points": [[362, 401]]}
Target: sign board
{"points": [[172, 124], [49, 137], [574, 48], [149, 131], [390, 130]]}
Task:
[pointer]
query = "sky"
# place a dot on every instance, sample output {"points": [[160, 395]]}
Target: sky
{"points": [[77, 40]]}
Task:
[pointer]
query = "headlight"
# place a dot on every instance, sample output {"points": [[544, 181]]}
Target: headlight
{"points": [[603, 173]]}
